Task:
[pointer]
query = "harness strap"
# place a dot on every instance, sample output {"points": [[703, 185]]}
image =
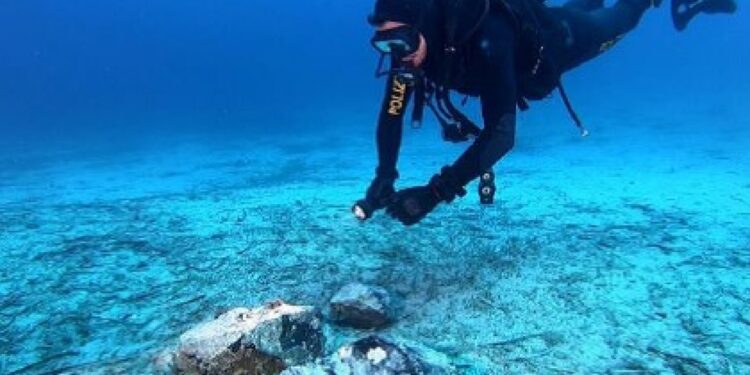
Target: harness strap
{"points": [[420, 96], [571, 110], [454, 41], [428, 99], [438, 100], [467, 126], [523, 104]]}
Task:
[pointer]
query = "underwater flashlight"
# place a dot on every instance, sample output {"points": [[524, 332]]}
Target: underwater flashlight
{"points": [[362, 210]]}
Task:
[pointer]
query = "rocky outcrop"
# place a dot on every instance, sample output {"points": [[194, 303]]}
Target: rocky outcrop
{"points": [[262, 341], [361, 306]]}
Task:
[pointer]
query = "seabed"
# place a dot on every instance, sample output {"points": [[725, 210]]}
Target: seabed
{"points": [[629, 251]]}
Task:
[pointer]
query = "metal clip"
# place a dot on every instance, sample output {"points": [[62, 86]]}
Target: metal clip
{"points": [[538, 64]]}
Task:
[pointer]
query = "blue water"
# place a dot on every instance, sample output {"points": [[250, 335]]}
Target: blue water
{"points": [[161, 160]]}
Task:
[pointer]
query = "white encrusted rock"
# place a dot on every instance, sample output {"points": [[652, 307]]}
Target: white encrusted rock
{"points": [[378, 356], [261, 341], [163, 362], [308, 370], [361, 306]]}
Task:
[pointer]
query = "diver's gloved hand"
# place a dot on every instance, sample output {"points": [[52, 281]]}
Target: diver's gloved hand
{"points": [[378, 195], [412, 205]]}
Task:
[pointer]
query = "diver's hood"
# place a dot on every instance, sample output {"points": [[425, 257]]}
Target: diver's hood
{"points": [[424, 15], [405, 11]]}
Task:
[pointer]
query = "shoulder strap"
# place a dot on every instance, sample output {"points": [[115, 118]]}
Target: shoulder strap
{"points": [[462, 19]]}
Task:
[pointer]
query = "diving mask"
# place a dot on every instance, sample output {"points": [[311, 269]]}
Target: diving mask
{"points": [[402, 39], [398, 42]]}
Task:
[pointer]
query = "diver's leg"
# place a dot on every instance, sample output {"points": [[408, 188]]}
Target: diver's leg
{"points": [[683, 11], [592, 33], [584, 5], [614, 22]]}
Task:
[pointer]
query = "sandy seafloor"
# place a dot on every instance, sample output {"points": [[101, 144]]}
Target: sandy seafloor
{"points": [[627, 250]]}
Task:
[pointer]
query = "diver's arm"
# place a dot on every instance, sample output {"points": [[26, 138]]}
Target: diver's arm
{"points": [[390, 126], [498, 108], [498, 100], [496, 139], [389, 133], [412, 205]]}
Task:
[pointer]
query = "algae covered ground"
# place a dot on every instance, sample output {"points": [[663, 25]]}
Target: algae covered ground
{"points": [[628, 252]]}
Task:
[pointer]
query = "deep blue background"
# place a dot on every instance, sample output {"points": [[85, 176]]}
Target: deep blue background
{"points": [[127, 68]]}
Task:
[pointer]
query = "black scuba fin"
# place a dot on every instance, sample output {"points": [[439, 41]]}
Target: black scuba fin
{"points": [[683, 11]]}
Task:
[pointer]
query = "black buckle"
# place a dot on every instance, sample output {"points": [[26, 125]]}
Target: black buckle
{"points": [[487, 187]]}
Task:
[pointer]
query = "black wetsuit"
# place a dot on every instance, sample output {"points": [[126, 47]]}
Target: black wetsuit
{"points": [[587, 30]]}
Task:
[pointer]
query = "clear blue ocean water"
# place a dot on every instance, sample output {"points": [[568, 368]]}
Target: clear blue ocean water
{"points": [[162, 160]]}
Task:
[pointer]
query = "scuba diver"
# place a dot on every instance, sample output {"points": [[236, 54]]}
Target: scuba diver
{"points": [[507, 53]]}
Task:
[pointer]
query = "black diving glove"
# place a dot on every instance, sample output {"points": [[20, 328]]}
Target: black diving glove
{"points": [[410, 206], [379, 195]]}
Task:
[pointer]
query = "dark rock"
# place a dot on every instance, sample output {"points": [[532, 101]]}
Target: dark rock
{"points": [[361, 306], [261, 341]]}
